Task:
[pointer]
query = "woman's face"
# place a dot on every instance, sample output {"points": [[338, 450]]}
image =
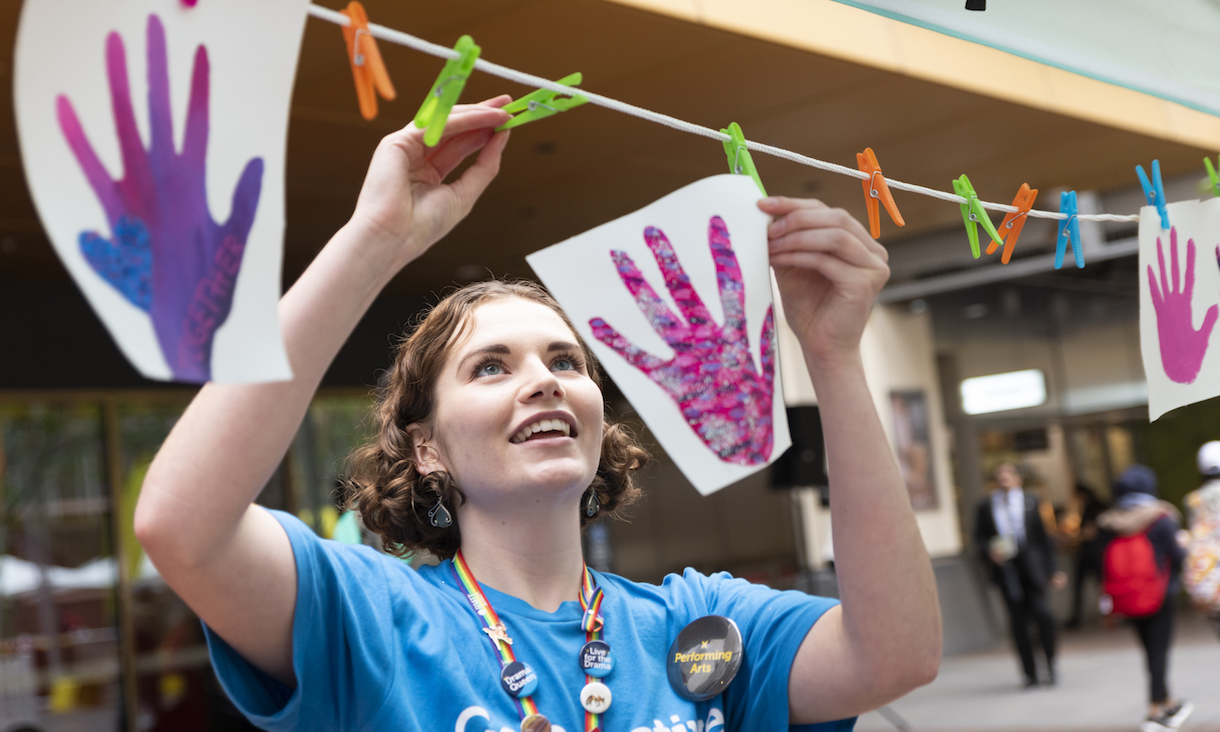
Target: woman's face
{"points": [[516, 413]]}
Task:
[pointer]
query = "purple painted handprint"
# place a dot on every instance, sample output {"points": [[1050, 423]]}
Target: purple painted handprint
{"points": [[166, 254], [1182, 347], [712, 375]]}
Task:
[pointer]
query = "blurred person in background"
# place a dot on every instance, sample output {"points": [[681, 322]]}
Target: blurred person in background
{"points": [[1011, 534], [1079, 526], [1201, 572], [1138, 515]]}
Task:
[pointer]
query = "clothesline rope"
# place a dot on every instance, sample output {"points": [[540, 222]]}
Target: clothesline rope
{"points": [[504, 72]]}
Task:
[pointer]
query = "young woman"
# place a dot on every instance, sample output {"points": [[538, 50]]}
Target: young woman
{"points": [[308, 634]]}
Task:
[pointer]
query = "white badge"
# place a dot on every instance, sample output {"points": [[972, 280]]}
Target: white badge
{"points": [[595, 697]]}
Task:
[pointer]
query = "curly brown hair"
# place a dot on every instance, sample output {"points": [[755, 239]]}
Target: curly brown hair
{"points": [[383, 485]]}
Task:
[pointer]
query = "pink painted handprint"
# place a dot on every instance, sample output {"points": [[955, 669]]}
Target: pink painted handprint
{"points": [[1182, 347], [712, 376], [166, 254]]}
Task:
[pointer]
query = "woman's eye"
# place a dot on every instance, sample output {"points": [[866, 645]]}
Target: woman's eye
{"points": [[564, 364], [491, 368]]}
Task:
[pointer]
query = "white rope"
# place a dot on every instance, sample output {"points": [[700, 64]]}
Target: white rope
{"points": [[504, 72]]}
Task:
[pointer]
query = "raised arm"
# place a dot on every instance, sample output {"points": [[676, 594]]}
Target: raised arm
{"points": [[885, 638], [228, 559]]}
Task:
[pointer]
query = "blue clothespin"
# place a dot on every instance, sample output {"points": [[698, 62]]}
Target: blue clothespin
{"points": [[1154, 190], [543, 103], [1069, 231]]}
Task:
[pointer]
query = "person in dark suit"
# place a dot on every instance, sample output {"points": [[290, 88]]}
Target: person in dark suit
{"points": [[1011, 536]]}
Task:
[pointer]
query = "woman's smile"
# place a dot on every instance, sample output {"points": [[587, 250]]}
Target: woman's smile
{"points": [[546, 426]]}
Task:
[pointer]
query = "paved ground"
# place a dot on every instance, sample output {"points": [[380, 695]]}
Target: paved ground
{"points": [[1102, 688]]}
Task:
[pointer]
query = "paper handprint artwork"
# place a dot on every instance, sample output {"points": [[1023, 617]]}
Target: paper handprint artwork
{"points": [[1179, 304], [704, 378], [712, 377], [172, 232]]}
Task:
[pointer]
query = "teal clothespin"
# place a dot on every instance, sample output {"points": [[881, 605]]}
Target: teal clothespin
{"points": [[543, 103], [434, 112], [1212, 175], [973, 214], [740, 161], [1154, 190], [1069, 231]]}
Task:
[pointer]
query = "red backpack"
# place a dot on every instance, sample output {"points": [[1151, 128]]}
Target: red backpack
{"points": [[1135, 584]]}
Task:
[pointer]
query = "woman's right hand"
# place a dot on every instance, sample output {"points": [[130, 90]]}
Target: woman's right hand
{"points": [[405, 205]]}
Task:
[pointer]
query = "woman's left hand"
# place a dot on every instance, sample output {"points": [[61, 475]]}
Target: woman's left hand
{"points": [[829, 272], [885, 637]]}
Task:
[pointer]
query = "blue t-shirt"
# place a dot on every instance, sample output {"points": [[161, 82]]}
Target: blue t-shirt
{"points": [[379, 646]]}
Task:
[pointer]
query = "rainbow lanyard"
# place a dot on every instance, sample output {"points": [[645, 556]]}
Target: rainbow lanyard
{"points": [[590, 599]]}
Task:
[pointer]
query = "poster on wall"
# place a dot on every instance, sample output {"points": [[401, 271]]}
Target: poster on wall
{"points": [[1179, 302], [675, 301], [153, 137], [913, 443]]}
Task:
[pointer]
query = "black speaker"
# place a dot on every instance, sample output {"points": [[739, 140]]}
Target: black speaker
{"points": [[804, 464], [976, 4]]}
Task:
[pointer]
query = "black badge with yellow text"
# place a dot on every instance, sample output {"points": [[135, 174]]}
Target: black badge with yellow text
{"points": [[704, 658]]}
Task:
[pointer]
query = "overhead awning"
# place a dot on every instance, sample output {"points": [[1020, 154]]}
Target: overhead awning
{"points": [[1166, 49]]}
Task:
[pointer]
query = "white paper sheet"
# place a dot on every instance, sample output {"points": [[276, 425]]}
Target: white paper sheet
{"points": [[1179, 300], [718, 410], [180, 259]]}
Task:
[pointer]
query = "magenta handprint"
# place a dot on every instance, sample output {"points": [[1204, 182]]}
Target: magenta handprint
{"points": [[1182, 347], [166, 254], [712, 376]]}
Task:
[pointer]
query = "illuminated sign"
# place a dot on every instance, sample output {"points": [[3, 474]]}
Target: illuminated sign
{"points": [[999, 392]]}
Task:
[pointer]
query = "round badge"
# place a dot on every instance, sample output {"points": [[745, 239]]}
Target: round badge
{"points": [[704, 658], [535, 723], [595, 697], [518, 679], [595, 658]]}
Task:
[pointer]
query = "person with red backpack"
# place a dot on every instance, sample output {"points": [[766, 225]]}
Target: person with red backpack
{"points": [[1141, 565]]}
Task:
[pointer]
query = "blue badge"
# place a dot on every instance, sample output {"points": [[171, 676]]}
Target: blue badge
{"points": [[595, 659], [518, 679]]}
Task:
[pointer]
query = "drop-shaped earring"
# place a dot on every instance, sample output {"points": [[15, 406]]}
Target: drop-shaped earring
{"points": [[439, 516], [590, 504]]}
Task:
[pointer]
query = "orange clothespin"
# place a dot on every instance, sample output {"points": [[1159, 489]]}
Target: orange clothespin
{"points": [[876, 189], [1010, 227], [368, 70]]}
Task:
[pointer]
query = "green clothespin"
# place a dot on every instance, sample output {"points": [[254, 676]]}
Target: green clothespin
{"points": [[542, 104], [973, 214], [434, 113], [1212, 175], [740, 161]]}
